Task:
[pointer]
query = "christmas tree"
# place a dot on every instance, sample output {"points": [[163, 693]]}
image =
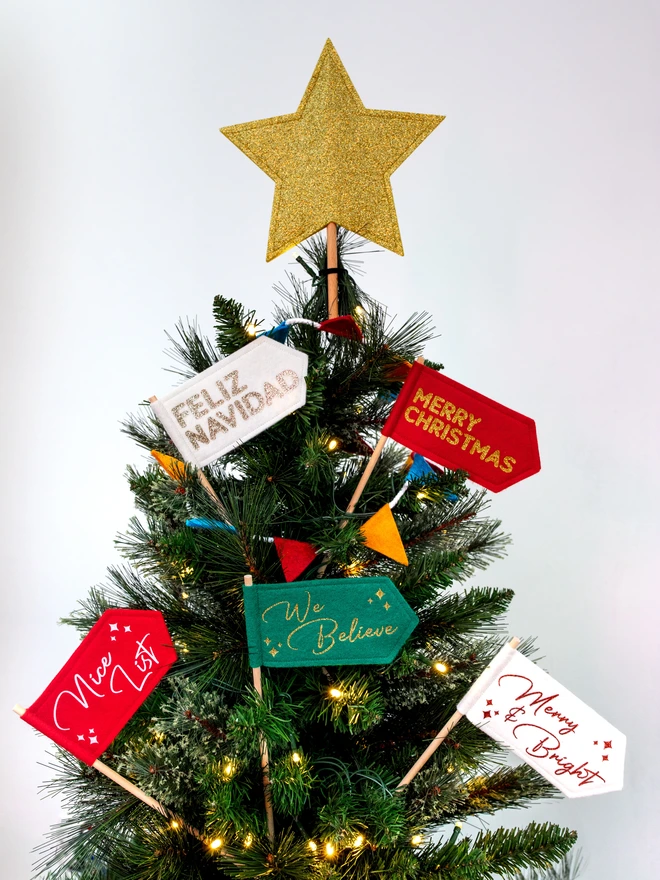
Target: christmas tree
{"points": [[298, 774]]}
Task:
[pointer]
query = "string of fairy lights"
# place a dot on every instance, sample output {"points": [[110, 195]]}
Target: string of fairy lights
{"points": [[328, 849]]}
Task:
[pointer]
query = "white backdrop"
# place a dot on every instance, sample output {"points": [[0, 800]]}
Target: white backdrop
{"points": [[530, 220]]}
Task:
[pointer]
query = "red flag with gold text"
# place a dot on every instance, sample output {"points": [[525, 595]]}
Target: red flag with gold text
{"points": [[106, 679], [461, 429]]}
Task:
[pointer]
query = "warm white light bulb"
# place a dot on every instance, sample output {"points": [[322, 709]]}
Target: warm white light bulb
{"points": [[174, 824], [416, 839], [251, 329], [295, 757], [333, 444], [216, 844], [359, 840], [228, 769], [336, 693], [312, 845], [329, 849], [441, 667]]}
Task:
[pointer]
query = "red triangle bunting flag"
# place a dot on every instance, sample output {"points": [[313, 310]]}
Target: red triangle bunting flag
{"points": [[343, 325], [295, 556]]}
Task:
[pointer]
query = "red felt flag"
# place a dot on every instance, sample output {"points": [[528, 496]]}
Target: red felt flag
{"points": [[295, 556], [109, 675], [461, 429]]}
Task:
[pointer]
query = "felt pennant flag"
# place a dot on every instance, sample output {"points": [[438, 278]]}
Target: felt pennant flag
{"points": [[542, 722], [382, 535], [295, 556], [420, 468], [172, 466], [232, 401], [453, 426], [106, 679], [342, 325], [335, 622]]}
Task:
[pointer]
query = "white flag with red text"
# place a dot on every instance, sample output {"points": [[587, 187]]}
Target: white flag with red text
{"points": [[523, 707]]}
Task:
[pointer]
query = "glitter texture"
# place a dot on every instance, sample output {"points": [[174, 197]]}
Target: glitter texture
{"points": [[331, 160]]}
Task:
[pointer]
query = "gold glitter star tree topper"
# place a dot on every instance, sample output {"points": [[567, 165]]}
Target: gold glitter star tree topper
{"points": [[332, 159]]}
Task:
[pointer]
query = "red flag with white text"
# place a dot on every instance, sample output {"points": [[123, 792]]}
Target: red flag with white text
{"points": [[104, 682]]}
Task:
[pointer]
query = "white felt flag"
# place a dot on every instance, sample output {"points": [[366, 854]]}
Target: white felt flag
{"points": [[233, 400], [523, 707]]}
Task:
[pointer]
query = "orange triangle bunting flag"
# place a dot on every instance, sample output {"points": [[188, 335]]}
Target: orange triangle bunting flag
{"points": [[382, 535], [295, 556], [172, 466]]}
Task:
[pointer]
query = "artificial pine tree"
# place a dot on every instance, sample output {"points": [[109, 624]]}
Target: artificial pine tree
{"points": [[339, 738]]}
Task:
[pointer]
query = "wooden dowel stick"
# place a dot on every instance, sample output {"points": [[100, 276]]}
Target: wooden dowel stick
{"points": [[263, 747], [433, 745], [208, 488], [366, 473], [118, 779], [371, 464], [437, 741], [332, 278]]}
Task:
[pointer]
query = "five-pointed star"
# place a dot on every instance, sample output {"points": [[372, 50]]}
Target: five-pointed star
{"points": [[332, 159]]}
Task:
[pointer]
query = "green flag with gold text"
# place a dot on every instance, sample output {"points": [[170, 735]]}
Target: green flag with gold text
{"points": [[338, 622]]}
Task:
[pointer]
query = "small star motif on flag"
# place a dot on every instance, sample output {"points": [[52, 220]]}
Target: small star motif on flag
{"points": [[267, 641], [380, 594], [496, 712], [114, 627], [113, 638], [486, 713], [273, 651], [279, 644], [606, 757], [607, 744], [93, 740], [81, 737], [387, 606], [127, 629], [595, 742], [370, 601], [489, 702], [91, 730]]}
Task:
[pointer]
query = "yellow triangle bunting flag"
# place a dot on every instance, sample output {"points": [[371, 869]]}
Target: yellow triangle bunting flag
{"points": [[382, 535], [172, 466]]}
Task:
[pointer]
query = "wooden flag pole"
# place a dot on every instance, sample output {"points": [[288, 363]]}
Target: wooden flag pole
{"points": [[437, 741], [263, 747], [371, 464], [118, 779], [208, 488], [332, 277]]}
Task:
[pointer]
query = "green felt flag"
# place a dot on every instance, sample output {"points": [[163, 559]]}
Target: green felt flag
{"points": [[347, 621]]}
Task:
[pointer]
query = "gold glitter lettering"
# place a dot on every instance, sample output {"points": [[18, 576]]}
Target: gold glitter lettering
{"points": [[507, 467], [197, 409], [283, 376], [460, 416], [253, 410], [482, 450], [473, 421], [454, 436], [426, 398], [494, 458], [235, 390], [409, 410], [178, 415], [197, 436], [207, 397], [271, 392]]}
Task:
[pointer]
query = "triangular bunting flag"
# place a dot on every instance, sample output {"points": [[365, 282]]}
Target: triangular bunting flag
{"points": [[172, 466], [342, 325], [295, 556], [279, 333], [382, 535], [420, 468]]}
